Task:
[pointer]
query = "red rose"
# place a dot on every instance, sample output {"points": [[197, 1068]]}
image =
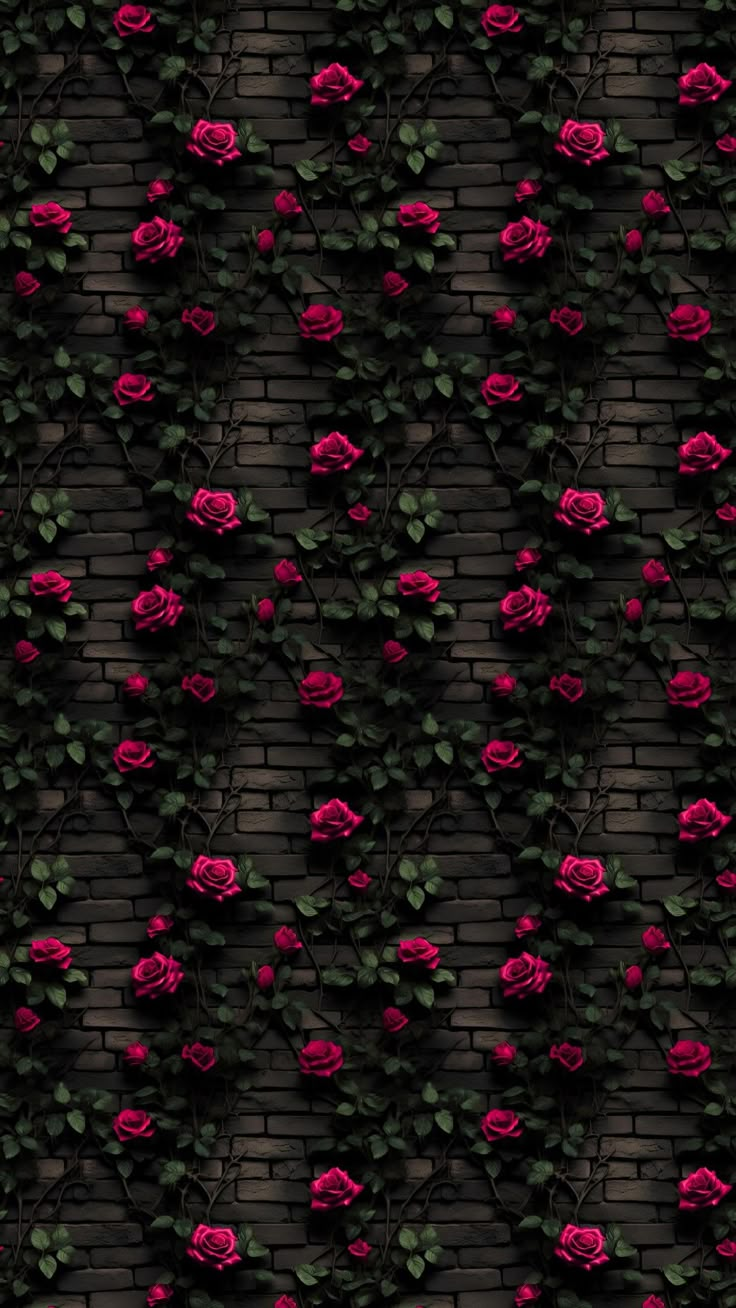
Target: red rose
{"points": [[135, 1055], [133, 388], [523, 976], [155, 976], [523, 609], [526, 189], [726, 144], [726, 880], [633, 241], [702, 820], [503, 1054], [688, 1058], [503, 318], [158, 1294], [265, 977], [418, 585], [333, 1189], [727, 513], [689, 689], [701, 1189], [214, 1246], [158, 189], [320, 1058], [688, 322], [583, 511], [498, 20], [214, 142], [702, 453], [655, 574], [501, 388], [158, 558], [633, 610], [527, 1294], [570, 321], [360, 880], [585, 878], [360, 1249], [359, 144], [582, 142], [655, 205], [285, 1301], [570, 1057], [569, 687], [155, 240], [701, 85], [265, 611], [334, 820], [286, 205], [726, 1249], [498, 755], [418, 217], [501, 1124], [133, 1124], [583, 1246], [321, 690], [655, 941], [215, 511], [526, 925], [202, 688], [202, 321], [393, 1020], [394, 652], [653, 1301], [524, 240], [202, 1057], [333, 85], [25, 284], [526, 558], [393, 284], [360, 513], [135, 685], [320, 322], [159, 925], [50, 215], [633, 977], [265, 241], [287, 941], [503, 685], [50, 585], [286, 574], [133, 20], [215, 878], [334, 453], [418, 953], [135, 319], [157, 608], [25, 1020], [26, 652], [50, 953]]}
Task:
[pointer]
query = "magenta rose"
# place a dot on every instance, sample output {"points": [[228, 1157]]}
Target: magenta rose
{"points": [[334, 820], [285, 1301], [158, 1294], [655, 205], [585, 878], [503, 1054], [418, 217], [655, 574], [135, 319], [701, 1189], [320, 1058], [418, 585], [333, 85], [582, 142], [201, 1057], [287, 941], [503, 318], [136, 1054], [727, 880], [159, 925], [569, 1057], [688, 322], [200, 687], [689, 689], [133, 20], [50, 953], [570, 321], [158, 189], [727, 513], [418, 953], [726, 144], [333, 1189], [583, 1246], [499, 20], [523, 609], [526, 558], [286, 574], [50, 215], [524, 240], [214, 1246], [653, 1301], [360, 1249], [50, 585], [321, 690], [701, 84], [726, 1249], [633, 977], [155, 240], [524, 976], [633, 610], [393, 1020], [501, 1124], [25, 284], [688, 1058], [360, 513], [202, 321], [501, 388], [568, 687], [359, 144], [132, 756], [265, 241], [655, 941], [503, 685], [133, 1124], [26, 652], [583, 511], [393, 285], [527, 1294], [135, 685], [155, 609], [265, 611], [214, 142], [158, 558], [320, 322], [498, 755], [25, 1020], [702, 820], [633, 241], [215, 511], [526, 925], [156, 976], [265, 977], [394, 652], [360, 881], [702, 453], [215, 878], [133, 388], [286, 205], [527, 189], [334, 453]]}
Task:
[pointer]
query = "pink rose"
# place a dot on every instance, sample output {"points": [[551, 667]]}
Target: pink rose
{"points": [[655, 941], [200, 687], [394, 652], [499, 20], [701, 1189], [25, 1020], [688, 322], [133, 388], [214, 1246], [26, 652], [201, 1057], [360, 513], [334, 453], [726, 1249], [393, 1020], [582, 142], [501, 388], [133, 20], [135, 685], [569, 1057], [584, 878], [286, 574], [570, 321], [633, 241], [503, 685], [360, 1250], [583, 511], [158, 189], [334, 820], [523, 609], [702, 453], [156, 976], [287, 941], [524, 976], [214, 142], [158, 1294], [359, 144], [583, 1246], [653, 1301], [50, 585], [498, 755], [633, 610], [526, 925], [393, 284], [727, 880], [727, 513], [688, 1058], [701, 84], [418, 585], [655, 574], [50, 953], [136, 1054], [25, 284], [527, 189], [265, 611], [418, 217], [360, 881], [133, 1124], [265, 241], [135, 319], [726, 144], [503, 318], [689, 689], [265, 977], [524, 240], [132, 756], [215, 878], [418, 953], [285, 1301], [202, 321], [527, 1294], [503, 1054], [633, 977], [320, 1058], [333, 85], [158, 558], [321, 690], [50, 215], [320, 322], [501, 1124], [286, 205], [155, 240], [568, 687], [333, 1189], [215, 511], [702, 820], [155, 609], [159, 925], [655, 205], [526, 558]]}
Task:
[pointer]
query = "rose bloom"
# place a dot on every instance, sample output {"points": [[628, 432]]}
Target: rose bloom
{"points": [[202, 321], [503, 1054], [333, 1189], [360, 880], [333, 85], [135, 685], [702, 820], [523, 609], [158, 1294], [25, 1020], [702, 453], [26, 652], [727, 1249], [569, 1057], [633, 241], [701, 1189], [360, 513], [158, 189], [654, 573], [157, 608], [133, 388], [321, 690], [727, 513], [155, 240], [286, 205], [688, 1058], [503, 685], [136, 1054], [633, 610], [132, 756], [25, 284], [527, 1294], [155, 976], [394, 652], [202, 1057], [334, 820], [524, 240], [726, 880], [133, 1124], [726, 144], [418, 217], [320, 1058], [418, 585], [287, 941], [50, 585], [393, 1020], [655, 205], [653, 1301], [418, 953], [568, 687], [582, 142], [158, 558], [570, 321], [688, 322], [584, 878], [503, 318], [265, 611], [159, 925], [583, 1246], [320, 322], [499, 20], [526, 925], [50, 215], [265, 241], [360, 1249], [583, 511], [524, 976], [501, 388], [285, 1301], [689, 689], [501, 1124], [214, 1246], [498, 755], [334, 453], [393, 284], [526, 189], [215, 878], [286, 574], [633, 977], [526, 558], [701, 84], [359, 144], [655, 941], [216, 143], [215, 511], [265, 977], [200, 687], [133, 20]]}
